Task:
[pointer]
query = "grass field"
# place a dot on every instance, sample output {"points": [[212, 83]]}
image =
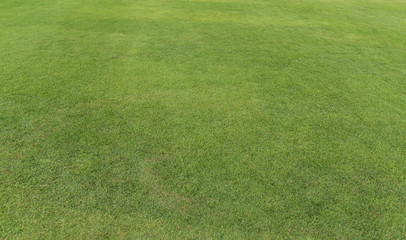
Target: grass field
{"points": [[202, 119]]}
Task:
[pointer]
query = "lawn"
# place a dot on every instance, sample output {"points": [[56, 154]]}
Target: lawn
{"points": [[202, 119]]}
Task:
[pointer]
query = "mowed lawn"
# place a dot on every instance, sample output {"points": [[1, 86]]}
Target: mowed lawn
{"points": [[202, 119]]}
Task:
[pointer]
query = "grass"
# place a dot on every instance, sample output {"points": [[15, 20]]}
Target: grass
{"points": [[202, 119]]}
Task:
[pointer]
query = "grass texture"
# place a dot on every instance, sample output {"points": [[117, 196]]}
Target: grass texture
{"points": [[202, 119]]}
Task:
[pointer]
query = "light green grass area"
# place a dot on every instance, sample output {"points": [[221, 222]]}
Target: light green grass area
{"points": [[202, 119]]}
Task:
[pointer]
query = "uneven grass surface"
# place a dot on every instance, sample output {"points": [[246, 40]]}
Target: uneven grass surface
{"points": [[190, 119]]}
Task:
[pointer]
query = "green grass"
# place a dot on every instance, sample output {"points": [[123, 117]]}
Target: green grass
{"points": [[202, 119]]}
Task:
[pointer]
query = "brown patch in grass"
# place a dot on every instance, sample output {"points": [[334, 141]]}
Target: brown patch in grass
{"points": [[164, 198]]}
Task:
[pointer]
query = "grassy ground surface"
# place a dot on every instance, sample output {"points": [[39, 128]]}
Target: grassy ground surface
{"points": [[182, 119]]}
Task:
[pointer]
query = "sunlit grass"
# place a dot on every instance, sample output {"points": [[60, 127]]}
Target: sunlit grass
{"points": [[233, 119]]}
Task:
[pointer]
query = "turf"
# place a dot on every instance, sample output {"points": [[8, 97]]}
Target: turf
{"points": [[202, 119]]}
